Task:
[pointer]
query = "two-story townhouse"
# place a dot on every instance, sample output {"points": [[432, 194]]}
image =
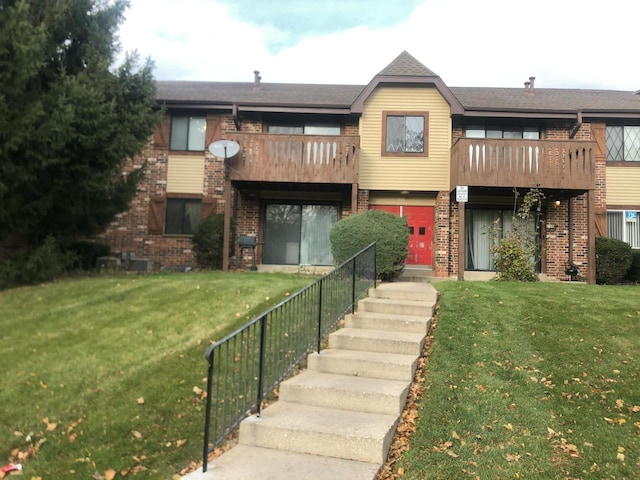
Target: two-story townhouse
{"points": [[312, 154]]}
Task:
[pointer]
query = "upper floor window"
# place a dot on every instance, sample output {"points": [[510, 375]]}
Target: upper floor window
{"points": [[623, 143], [482, 131], [187, 133], [306, 129], [404, 133], [624, 225]]}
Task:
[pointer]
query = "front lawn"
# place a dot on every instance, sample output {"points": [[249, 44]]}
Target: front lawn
{"points": [[531, 381], [99, 373]]}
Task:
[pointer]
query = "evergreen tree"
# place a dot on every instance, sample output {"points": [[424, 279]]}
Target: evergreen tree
{"points": [[69, 120]]}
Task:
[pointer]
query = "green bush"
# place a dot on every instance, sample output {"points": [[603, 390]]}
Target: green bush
{"points": [[45, 263], [208, 242], [613, 259], [515, 259], [353, 233], [516, 254], [88, 252], [633, 274]]}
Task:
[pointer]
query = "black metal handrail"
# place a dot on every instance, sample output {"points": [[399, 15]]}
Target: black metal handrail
{"points": [[245, 366]]}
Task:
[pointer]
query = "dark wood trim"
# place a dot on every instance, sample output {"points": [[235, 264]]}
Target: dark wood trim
{"points": [[591, 238], [461, 237], [404, 113], [184, 195], [623, 163], [226, 240], [633, 208]]}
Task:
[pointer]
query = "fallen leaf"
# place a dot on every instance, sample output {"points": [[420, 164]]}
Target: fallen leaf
{"points": [[452, 454], [181, 442], [197, 390], [513, 457], [482, 388], [620, 457], [140, 400], [110, 474], [137, 434]]}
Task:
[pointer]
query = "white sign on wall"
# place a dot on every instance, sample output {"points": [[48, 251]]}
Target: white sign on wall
{"points": [[462, 193]]}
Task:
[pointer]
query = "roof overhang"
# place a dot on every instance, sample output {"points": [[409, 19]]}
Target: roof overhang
{"points": [[268, 108]]}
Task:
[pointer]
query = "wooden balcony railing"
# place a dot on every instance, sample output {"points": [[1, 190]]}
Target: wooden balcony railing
{"points": [[557, 164], [295, 158]]}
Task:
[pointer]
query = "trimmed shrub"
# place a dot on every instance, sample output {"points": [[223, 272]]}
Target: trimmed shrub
{"points": [[353, 233], [208, 242], [613, 259], [88, 252], [633, 274]]}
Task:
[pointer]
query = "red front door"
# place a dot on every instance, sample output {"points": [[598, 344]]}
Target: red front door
{"points": [[420, 222]]}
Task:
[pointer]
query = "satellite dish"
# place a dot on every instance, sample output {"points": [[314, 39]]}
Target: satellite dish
{"points": [[224, 148]]}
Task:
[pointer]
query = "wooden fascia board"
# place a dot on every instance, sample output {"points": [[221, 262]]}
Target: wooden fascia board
{"points": [[450, 98], [295, 109], [519, 114]]}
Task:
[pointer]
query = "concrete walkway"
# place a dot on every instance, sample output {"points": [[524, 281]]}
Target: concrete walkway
{"points": [[336, 420]]}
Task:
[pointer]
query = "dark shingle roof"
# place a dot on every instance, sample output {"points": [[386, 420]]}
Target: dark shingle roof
{"points": [[280, 94], [546, 99], [317, 96], [404, 65]]}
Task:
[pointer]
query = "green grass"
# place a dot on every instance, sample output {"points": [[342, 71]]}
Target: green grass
{"points": [[532, 381], [79, 356]]}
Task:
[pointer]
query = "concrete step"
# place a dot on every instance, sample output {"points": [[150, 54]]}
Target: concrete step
{"points": [[345, 392], [405, 291], [415, 274], [389, 366], [360, 436], [377, 341], [388, 321], [399, 307], [244, 462]]}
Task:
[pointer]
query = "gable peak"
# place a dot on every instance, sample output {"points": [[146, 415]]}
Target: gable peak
{"points": [[405, 65]]}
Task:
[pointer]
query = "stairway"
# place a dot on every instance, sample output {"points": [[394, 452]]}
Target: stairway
{"points": [[338, 417]]}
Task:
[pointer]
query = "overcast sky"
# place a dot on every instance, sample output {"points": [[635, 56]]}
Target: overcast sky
{"points": [[493, 43]]}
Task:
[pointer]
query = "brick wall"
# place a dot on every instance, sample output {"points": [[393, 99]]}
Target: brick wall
{"points": [[441, 229]]}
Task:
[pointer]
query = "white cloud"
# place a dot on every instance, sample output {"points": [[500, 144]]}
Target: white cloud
{"points": [[581, 44]]}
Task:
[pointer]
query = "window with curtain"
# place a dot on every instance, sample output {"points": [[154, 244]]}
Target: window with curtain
{"points": [[188, 133], [478, 239], [298, 234], [623, 143], [182, 215], [306, 129], [483, 131], [624, 225]]}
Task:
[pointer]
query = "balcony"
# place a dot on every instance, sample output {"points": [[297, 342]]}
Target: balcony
{"points": [[295, 158], [556, 164]]}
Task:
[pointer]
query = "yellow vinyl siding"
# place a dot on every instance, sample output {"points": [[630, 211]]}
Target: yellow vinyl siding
{"points": [[430, 173], [387, 198], [622, 186], [185, 174]]}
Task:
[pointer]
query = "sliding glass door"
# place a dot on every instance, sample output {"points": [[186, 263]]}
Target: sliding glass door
{"points": [[298, 234], [478, 238]]}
